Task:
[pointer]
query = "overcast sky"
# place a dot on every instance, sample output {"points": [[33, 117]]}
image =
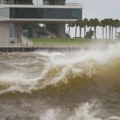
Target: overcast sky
{"points": [[100, 8]]}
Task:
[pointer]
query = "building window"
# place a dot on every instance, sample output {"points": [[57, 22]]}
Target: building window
{"points": [[46, 13]]}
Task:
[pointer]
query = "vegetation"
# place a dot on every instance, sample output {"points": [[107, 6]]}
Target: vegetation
{"points": [[109, 31], [109, 26], [66, 42], [60, 41], [89, 34]]}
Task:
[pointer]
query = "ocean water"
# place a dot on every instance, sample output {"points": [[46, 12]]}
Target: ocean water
{"points": [[67, 85]]}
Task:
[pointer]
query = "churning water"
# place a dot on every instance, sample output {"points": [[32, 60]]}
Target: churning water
{"points": [[76, 85]]}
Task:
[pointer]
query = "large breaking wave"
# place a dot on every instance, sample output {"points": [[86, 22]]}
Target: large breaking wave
{"points": [[98, 68], [72, 85]]}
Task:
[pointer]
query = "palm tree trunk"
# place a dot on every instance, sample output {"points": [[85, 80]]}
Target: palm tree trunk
{"points": [[112, 33], [106, 32], [69, 31], [75, 31], [84, 31], [80, 31], [115, 32], [94, 32], [103, 33], [109, 32]]}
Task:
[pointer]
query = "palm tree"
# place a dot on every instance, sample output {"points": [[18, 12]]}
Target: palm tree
{"points": [[109, 23], [103, 26], [86, 21], [106, 23], [81, 24], [94, 23], [112, 32], [116, 25], [112, 23], [76, 25], [69, 26], [112, 29]]}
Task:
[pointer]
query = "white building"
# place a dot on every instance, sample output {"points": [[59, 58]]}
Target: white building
{"points": [[22, 17]]}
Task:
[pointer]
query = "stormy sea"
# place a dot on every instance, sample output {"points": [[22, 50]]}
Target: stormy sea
{"points": [[64, 85]]}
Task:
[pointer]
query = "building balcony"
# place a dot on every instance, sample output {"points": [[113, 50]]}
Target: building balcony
{"points": [[41, 13]]}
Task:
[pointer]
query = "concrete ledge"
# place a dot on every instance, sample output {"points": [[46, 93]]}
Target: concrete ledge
{"points": [[32, 49]]}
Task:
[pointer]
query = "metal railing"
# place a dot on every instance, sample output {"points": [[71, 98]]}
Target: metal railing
{"points": [[73, 4]]}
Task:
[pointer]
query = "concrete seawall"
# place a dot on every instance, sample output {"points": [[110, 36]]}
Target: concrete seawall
{"points": [[101, 45], [32, 49]]}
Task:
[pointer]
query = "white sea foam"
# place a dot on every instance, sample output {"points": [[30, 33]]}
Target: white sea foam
{"points": [[85, 111], [75, 62]]}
